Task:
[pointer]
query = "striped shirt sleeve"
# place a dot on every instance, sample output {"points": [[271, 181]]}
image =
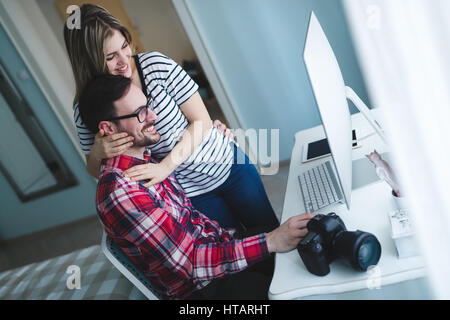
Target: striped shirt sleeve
{"points": [[85, 136], [155, 231]]}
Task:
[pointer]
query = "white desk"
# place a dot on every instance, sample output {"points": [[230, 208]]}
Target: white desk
{"points": [[370, 205]]}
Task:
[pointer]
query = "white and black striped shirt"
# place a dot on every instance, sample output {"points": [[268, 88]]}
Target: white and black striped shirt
{"points": [[167, 86]]}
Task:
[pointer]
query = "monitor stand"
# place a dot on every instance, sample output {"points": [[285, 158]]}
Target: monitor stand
{"points": [[365, 111], [364, 173]]}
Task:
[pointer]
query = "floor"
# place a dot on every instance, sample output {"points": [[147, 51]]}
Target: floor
{"points": [[65, 239]]}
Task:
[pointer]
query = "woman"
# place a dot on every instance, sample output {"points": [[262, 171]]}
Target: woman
{"points": [[203, 159]]}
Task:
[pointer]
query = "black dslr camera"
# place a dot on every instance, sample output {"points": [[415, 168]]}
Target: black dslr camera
{"points": [[328, 239]]}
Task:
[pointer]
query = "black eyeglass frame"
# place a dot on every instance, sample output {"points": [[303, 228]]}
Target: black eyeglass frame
{"points": [[132, 115]]}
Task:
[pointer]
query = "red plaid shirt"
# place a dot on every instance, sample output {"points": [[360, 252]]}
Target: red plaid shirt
{"points": [[178, 248]]}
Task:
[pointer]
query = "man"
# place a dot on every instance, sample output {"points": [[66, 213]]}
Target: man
{"points": [[183, 253]]}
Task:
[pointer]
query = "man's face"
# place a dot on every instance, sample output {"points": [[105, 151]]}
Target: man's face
{"points": [[144, 133]]}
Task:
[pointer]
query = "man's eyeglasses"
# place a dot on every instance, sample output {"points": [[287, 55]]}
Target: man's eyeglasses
{"points": [[140, 114]]}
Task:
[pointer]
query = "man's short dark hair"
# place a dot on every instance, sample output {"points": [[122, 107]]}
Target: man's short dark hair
{"points": [[97, 99]]}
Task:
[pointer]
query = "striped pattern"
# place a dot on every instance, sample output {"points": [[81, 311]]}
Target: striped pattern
{"points": [[47, 280], [175, 246], [168, 86]]}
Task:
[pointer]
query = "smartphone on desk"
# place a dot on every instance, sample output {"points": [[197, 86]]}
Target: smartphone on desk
{"points": [[320, 148]]}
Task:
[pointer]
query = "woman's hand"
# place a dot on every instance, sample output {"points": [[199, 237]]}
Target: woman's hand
{"points": [[155, 172], [223, 128], [106, 147]]}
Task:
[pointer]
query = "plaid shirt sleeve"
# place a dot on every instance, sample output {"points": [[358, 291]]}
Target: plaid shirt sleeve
{"points": [[222, 233], [154, 230]]}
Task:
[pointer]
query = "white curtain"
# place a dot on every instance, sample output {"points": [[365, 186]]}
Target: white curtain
{"points": [[404, 52]]}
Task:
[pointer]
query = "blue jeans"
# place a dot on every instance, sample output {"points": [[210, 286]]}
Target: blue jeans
{"points": [[240, 200]]}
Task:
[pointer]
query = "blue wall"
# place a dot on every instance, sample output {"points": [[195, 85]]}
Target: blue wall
{"points": [[20, 218], [258, 47]]}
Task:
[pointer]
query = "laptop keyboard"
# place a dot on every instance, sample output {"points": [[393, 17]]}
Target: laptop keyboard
{"points": [[319, 187]]}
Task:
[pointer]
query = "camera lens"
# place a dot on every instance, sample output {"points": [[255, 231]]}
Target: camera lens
{"points": [[369, 252], [360, 249]]}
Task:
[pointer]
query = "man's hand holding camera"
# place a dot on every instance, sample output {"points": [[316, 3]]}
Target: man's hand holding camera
{"points": [[287, 236]]}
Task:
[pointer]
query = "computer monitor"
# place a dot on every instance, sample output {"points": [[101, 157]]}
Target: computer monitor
{"points": [[330, 94]]}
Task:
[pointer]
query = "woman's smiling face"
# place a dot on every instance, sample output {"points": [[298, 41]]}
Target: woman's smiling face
{"points": [[118, 54]]}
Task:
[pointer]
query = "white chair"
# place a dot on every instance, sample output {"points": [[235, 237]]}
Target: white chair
{"points": [[127, 268]]}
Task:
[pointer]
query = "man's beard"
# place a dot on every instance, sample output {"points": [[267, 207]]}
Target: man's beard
{"points": [[143, 141], [147, 141]]}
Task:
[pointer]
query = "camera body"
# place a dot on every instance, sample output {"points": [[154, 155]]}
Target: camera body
{"points": [[328, 239]]}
